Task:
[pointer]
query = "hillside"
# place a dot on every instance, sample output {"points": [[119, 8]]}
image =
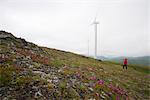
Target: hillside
{"points": [[29, 72]]}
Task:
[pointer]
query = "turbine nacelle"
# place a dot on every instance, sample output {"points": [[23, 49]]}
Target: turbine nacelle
{"points": [[95, 22]]}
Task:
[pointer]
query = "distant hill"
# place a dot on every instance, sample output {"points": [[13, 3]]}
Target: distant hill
{"points": [[102, 58], [141, 61]]}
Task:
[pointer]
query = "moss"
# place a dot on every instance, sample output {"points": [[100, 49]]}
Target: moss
{"points": [[36, 78], [82, 87], [146, 92], [6, 75], [72, 93], [67, 72], [23, 80], [36, 65], [50, 86], [62, 85]]}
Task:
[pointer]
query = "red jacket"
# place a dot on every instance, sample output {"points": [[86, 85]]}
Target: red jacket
{"points": [[125, 62]]}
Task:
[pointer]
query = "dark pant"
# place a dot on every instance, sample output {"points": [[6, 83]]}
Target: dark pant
{"points": [[124, 66]]}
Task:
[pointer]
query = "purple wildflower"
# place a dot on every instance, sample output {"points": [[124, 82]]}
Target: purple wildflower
{"points": [[100, 82], [110, 86]]}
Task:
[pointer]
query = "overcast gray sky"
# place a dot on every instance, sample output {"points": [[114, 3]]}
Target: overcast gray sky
{"points": [[66, 24]]}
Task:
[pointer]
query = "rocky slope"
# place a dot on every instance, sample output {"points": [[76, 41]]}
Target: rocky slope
{"points": [[29, 72]]}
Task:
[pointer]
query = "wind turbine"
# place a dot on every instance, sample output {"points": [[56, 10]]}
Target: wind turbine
{"points": [[95, 25], [88, 47]]}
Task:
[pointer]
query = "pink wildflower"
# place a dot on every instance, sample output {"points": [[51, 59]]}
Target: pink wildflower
{"points": [[65, 67], [127, 98], [109, 93], [100, 82], [93, 78], [94, 84], [97, 94], [78, 75], [90, 69], [110, 86], [117, 97]]}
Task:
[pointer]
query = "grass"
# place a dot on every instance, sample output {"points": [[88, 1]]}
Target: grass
{"points": [[144, 69], [133, 79]]}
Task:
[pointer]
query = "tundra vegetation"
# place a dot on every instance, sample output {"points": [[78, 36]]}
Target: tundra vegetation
{"points": [[28, 71]]}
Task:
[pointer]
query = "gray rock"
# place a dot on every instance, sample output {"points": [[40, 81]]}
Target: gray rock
{"points": [[38, 94], [91, 89]]}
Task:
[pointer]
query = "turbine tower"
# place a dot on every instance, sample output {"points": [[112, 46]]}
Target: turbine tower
{"points": [[95, 25], [88, 47]]}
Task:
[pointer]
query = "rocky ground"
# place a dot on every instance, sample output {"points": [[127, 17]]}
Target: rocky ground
{"points": [[30, 72]]}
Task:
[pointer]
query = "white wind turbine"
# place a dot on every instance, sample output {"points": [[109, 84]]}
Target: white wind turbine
{"points": [[95, 26]]}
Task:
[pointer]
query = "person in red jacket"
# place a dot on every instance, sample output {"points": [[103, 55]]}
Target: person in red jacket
{"points": [[125, 63]]}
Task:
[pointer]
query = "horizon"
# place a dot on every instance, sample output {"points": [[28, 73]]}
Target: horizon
{"points": [[66, 25]]}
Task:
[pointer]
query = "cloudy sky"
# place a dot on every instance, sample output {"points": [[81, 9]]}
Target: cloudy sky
{"points": [[67, 24]]}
